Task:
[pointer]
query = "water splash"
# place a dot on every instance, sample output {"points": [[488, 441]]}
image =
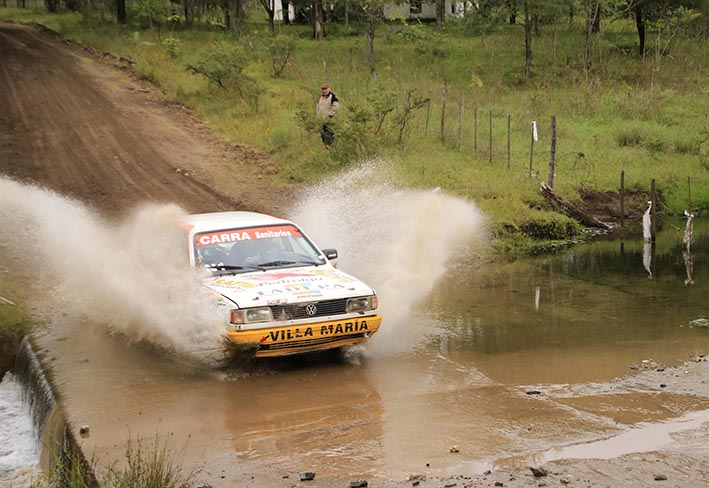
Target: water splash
{"points": [[132, 276], [400, 241], [18, 450]]}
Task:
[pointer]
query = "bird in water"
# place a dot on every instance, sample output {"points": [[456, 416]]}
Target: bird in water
{"points": [[647, 233], [687, 240]]}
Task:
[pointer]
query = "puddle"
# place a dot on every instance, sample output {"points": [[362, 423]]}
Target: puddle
{"points": [[461, 342], [641, 438]]}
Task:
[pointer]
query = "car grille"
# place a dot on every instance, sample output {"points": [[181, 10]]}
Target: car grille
{"points": [[308, 342], [293, 311]]}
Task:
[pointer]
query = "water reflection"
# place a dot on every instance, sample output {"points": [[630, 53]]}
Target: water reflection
{"points": [[593, 301], [648, 251]]}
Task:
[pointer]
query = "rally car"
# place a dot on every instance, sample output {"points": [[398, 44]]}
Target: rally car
{"points": [[279, 292]]}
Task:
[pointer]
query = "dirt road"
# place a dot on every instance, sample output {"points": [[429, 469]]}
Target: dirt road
{"points": [[82, 125], [92, 131]]}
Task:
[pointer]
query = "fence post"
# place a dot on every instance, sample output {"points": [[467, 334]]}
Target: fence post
{"points": [[653, 213], [509, 156], [443, 113], [552, 154], [490, 113], [622, 198], [531, 148], [428, 115], [460, 123], [689, 194], [475, 129]]}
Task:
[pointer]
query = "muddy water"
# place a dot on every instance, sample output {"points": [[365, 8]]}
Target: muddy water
{"points": [[482, 338]]}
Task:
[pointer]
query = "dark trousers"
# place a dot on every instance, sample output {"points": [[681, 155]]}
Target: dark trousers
{"points": [[327, 135]]}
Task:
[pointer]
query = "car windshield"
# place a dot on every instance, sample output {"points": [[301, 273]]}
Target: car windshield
{"points": [[255, 248]]}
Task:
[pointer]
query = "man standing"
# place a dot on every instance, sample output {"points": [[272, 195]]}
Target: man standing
{"points": [[326, 109]]}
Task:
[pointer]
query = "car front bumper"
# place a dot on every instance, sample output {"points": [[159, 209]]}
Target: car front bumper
{"points": [[292, 339]]}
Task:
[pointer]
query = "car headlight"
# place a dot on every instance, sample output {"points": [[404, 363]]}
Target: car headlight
{"points": [[250, 315], [362, 304]]}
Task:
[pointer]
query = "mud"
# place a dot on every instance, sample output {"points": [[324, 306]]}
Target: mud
{"points": [[83, 126]]}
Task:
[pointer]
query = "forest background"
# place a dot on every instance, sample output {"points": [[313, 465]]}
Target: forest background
{"points": [[448, 103]]}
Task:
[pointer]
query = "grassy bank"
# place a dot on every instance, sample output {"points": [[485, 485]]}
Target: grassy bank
{"points": [[615, 111], [14, 324]]}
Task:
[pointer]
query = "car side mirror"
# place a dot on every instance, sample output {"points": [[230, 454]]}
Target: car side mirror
{"points": [[330, 254]]}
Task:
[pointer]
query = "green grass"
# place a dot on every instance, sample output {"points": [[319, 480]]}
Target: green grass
{"points": [[647, 116], [145, 464], [14, 319]]}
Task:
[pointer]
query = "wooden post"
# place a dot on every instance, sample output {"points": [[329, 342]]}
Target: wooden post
{"points": [[653, 213], [552, 153], [475, 129], [443, 113], [531, 151], [689, 194], [490, 136], [622, 198], [460, 123], [428, 115], [509, 155]]}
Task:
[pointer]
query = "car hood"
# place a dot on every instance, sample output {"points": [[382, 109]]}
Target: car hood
{"points": [[291, 285]]}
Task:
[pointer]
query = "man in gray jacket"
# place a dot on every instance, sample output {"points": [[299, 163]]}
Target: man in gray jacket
{"points": [[326, 109]]}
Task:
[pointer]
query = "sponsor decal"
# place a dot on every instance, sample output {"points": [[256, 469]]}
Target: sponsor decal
{"points": [[236, 235], [340, 328]]}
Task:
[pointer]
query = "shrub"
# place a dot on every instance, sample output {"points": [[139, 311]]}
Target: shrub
{"points": [[224, 65], [280, 50], [173, 46]]}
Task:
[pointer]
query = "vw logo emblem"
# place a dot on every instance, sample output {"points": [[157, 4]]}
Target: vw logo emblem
{"points": [[311, 309]]}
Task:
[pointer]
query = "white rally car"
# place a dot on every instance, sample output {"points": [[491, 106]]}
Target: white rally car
{"points": [[280, 293]]}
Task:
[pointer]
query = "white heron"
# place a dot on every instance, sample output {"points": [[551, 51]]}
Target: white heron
{"points": [[647, 222], [687, 240]]}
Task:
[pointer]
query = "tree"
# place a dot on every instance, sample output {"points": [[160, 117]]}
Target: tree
{"points": [[121, 12], [155, 12], [646, 11], [373, 13], [440, 14], [527, 42], [318, 21], [270, 10]]}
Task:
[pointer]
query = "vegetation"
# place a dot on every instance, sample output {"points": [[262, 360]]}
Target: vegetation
{"points": [[14, 324], [147, 466], [14, 320], [436, 100]]}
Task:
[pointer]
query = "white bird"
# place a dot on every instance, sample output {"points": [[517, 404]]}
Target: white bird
{"points": [[647, 233], [687, 241]]}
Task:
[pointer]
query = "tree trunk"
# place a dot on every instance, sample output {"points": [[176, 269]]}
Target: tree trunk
{"points": [[596, 18], [370, 43], [440, 14], [527, 42], [227, 15], [512, 6], [285, 5], [640, 24], [186, 11], [270, 10], [570, 210], [121, 12], [318, 24], [239, 13]]}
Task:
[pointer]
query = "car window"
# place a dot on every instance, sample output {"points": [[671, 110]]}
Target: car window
{"points": [[266, 246]]}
